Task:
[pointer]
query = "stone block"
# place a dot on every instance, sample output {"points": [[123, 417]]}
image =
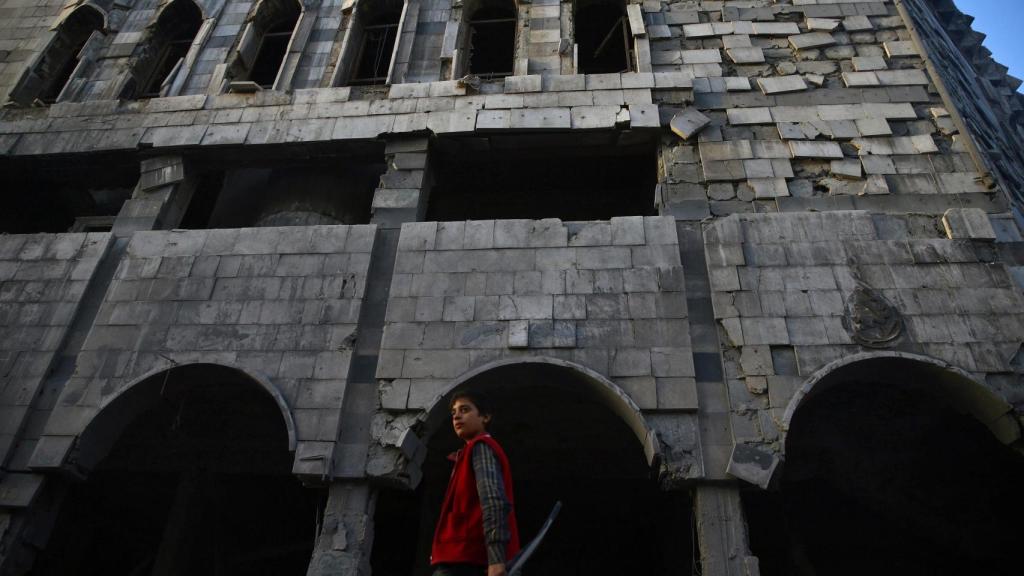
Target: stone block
{"points": [[780, 85], [689, 123], [746, 116], [811, 40], [968, 224]]}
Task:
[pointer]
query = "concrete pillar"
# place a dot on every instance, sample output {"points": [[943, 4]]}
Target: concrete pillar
{"points": [[722, 532], [160, 198], [405, 187], [346, 536]]}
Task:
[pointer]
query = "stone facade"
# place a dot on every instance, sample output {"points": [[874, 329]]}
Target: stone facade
{"points": [[834, 186]]}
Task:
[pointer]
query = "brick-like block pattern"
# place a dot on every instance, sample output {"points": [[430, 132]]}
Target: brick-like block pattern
{"points": [[780, 283], [279, 302], [42, 279], [607, 295]]}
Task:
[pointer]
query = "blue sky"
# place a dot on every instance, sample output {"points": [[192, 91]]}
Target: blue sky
{"points": [[1000, 20]]}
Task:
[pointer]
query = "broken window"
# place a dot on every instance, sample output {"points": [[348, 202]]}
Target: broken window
{"points": [[884, 473], [579, 177], [69, 196], [376, 49], [490, 39], [44, 82], [615, 520], [169, 42], [303, 192], [194, 477], [604, 43], [264, 42]]}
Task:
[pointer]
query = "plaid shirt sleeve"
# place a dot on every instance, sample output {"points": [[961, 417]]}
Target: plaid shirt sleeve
{"points": [[490, 486]]}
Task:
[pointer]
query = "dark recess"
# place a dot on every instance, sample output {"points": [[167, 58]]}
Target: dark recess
{"points": [[479, 179]]}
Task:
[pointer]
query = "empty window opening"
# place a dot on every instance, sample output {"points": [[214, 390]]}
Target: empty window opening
{"points": [[63, 55], [884, 475], [273, 48], [66, 196], [614, 519], [376, 48], [492, 40], [173, 35], [577, 178], [603, 38], [196, 481], [299, 193]]}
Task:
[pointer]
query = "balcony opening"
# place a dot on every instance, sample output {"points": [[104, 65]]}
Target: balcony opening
{"points": [[71, 195], [64, 54], [582, 177], [298, 192]]}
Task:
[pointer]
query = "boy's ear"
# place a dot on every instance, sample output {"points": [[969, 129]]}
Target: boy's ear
{"points": [[486, 418]]}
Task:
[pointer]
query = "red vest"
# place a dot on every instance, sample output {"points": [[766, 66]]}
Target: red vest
{"points": [[459, 537]]}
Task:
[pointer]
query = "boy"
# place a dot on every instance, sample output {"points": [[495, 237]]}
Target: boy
{"points": [[476, 532]]}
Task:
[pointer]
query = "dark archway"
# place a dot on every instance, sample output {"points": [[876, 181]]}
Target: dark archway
{"points": [[568, 438], [192, 475], [889, 470]]}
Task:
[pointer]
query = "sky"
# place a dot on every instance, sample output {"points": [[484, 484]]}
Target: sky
{"points": [[1000, 21]]}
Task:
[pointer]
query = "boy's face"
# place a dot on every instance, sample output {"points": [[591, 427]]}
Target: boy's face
{"points": [[467, 420]]}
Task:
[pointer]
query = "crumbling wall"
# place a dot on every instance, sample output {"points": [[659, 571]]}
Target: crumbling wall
{"points": [[42, 279], [794, 292], [282, 302], [606, 295]]}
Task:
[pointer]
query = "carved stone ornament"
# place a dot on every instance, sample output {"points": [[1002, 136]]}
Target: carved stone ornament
{"points": [[870, 319]]}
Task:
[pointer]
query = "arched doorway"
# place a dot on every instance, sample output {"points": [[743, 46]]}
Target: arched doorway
{"points": [[187, 472], [893, 465], [571, 436]]}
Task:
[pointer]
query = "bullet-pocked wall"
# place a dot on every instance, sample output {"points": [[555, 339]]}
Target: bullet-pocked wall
{"points": [[711, 227]]}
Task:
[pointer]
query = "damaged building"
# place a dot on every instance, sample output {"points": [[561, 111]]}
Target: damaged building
{"points": [[743, 277]]}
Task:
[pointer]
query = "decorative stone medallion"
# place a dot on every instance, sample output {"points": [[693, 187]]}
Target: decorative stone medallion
{"points": [[870, 319]]}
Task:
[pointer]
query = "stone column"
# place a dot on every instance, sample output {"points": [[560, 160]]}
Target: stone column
{"points": [[722, 532], [346, 537]]}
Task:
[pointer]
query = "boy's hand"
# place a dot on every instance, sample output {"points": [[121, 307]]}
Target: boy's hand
{"points": [[496, 570]]}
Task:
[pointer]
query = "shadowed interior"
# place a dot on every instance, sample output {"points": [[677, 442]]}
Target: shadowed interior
{"points": [[565, 442]]}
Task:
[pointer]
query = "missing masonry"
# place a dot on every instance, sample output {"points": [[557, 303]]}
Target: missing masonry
{"points": [[582, 177]]}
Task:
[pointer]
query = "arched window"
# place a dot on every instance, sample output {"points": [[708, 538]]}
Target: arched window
{"points": [[172, 36], [264, 43], [490, 38], [376, 47], [603, 38], [50, 75]]}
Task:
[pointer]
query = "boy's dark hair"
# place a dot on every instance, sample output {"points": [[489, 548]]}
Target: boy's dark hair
{"points": [[478, 398]]}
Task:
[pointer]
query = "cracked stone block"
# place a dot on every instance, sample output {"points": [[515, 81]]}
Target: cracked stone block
{"points": [[689, 123], [782, 84], [826, 24], [900, 48], [846, 168], [968, 224], [811, 40]]}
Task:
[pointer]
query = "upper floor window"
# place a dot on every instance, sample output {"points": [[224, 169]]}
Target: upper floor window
{"points": [[265, 41], [376, 48], [172, 36], [47, 79], [490, 38], [603, 38]]}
